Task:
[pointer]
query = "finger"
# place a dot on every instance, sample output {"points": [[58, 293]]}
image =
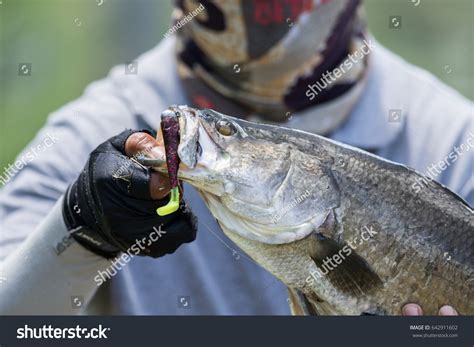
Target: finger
{"points": [[141, 143], [447, 310], [412, 310], [159, 186]]}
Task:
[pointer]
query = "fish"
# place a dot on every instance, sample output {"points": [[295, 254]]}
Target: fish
{"points": [[342, 228]]}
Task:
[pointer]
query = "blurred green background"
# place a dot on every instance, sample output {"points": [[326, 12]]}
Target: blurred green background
{"points": [[73, 42]]}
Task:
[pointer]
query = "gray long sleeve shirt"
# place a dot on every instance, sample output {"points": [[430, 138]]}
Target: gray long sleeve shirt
{"points": [[43, 272]]}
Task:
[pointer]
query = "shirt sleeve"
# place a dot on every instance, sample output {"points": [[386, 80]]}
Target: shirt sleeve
{"points": [[50, 273], [34, 277], [44, 169]]}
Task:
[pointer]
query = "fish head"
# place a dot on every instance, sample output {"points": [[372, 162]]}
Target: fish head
{"points": [[247, 177], [220, 158]]}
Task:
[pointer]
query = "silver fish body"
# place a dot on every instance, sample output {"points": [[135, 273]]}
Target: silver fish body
{"points": [[344, 229]]}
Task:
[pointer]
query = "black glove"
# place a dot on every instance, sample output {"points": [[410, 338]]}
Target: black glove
{"points": [[109, 208]]}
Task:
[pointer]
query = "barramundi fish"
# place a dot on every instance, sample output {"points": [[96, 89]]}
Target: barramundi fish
{"points": [[348, 232]]}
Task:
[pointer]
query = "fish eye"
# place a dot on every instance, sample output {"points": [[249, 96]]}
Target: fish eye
{"points": [[225, 128]]}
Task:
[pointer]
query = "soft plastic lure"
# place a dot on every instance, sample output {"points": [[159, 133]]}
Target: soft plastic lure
{"points": [[170, 129]]}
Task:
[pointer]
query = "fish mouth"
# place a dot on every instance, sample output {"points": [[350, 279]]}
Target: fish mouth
{"points": [[189, 149], [197, 152]]}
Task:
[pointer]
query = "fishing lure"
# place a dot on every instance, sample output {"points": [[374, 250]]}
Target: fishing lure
{"points": [[170, 129]]}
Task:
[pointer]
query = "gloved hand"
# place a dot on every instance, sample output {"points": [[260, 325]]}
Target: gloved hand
{"points": [[111, 207]]}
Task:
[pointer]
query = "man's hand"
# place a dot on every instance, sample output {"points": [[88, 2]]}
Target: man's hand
{"points": [[415, 310], [112, 205]]}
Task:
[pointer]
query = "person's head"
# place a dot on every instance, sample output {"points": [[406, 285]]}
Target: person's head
{"points": [[261, 55]]}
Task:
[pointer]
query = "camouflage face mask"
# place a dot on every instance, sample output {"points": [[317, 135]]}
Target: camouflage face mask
{"points": [[248, 57]]}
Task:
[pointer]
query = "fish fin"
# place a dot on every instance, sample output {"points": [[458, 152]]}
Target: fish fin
{"points": [[352, 275], [308, 304], [299, 304], [323, 308]]}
